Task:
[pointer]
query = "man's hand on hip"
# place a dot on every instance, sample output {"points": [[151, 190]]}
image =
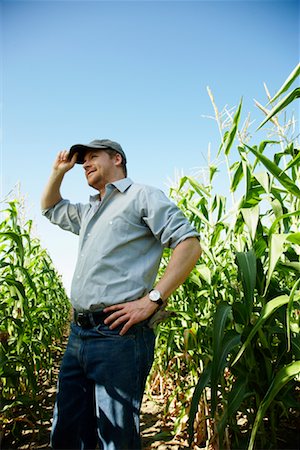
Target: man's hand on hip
{"points": [[129, 313]]}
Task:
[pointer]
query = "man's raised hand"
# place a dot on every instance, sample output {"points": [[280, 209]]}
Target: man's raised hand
{"points": [[62, 162]]}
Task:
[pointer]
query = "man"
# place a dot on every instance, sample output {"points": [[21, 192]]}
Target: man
{"points": [[122, 232]]}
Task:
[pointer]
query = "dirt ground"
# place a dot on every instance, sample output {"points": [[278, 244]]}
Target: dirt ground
{"points": [[32, 426], [33, 430], [155, 435]]}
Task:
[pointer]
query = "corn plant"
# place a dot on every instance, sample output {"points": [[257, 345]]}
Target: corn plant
{"points": [[232, 352], [33, 312]]}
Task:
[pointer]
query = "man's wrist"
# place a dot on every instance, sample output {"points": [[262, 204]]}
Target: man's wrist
{"points": [[155, 296]]}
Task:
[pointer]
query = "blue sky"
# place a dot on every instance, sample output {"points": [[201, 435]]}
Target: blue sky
{"points": [[135, 72]]}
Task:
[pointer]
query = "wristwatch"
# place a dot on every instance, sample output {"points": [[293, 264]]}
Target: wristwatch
{"points": [[155, 296]]}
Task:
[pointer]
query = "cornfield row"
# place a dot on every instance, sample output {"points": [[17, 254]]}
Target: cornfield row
{"points": [[228, 362], [33, 313]]}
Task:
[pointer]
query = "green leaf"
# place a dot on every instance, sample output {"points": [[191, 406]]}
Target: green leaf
{"points": [[235, 398], [17, 238], [281, 105], [202, 383], [20, 289], [261, 149], [247, 271], [284, 375], [276, 250], [295, 162], [281, 217], [212, 171], [294, 238], [222, 206], [284, 179], [204, 272], [219, 227], [223, 309], [250, 216], [289, 313], [288, 82], [237, 177], [264, 180], [198, 187], [228, 141], [266, 312]]}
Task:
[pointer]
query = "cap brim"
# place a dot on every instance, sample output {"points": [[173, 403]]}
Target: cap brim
{"points": [[81, 149]]}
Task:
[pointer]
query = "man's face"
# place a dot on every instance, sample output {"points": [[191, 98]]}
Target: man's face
{"points": [[100, 168]]}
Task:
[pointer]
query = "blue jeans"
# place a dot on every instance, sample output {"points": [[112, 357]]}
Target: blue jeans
{"points": [[100, 388]]}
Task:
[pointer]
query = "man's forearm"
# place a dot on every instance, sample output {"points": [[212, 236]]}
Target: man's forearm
{"points": [[62, 164], [182, 261], [51, 194]]}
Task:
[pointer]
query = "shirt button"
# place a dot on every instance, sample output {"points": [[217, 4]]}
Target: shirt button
{"points": [[110, 222], [82, 255], [88, 234], [78, 277]]}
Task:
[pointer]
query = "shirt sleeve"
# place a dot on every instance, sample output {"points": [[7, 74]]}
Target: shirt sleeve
{"points": [[66, 215], [166, 221]]}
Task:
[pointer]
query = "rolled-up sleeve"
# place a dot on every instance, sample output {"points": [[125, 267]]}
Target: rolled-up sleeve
{"points": [[166, 221], [66, 215]]}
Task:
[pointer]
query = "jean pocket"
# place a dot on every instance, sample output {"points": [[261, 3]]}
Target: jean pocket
{"points": [[104, 331]]}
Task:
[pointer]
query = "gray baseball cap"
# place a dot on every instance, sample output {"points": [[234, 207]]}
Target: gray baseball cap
{"points": [[97, 144]]}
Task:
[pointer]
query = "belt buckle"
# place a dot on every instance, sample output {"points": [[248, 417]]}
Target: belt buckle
{"points": [[83, 320]]}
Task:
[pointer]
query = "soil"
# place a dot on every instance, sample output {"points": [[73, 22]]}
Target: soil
{"points": [[32, 425], [155, 435]]}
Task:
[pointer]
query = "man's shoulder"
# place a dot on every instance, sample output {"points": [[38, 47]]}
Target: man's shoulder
{"points": [[145, 188]]}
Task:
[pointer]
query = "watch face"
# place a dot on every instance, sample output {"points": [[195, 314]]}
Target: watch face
{"points": [[154, 295]]}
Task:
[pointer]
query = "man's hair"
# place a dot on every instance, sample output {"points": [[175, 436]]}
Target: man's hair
{"points": [[112, 153]]}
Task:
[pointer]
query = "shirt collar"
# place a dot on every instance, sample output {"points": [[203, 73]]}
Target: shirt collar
{"points": [[122, 185]]}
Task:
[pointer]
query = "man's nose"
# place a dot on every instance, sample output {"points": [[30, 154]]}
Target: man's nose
{"points": [[86, 164]]}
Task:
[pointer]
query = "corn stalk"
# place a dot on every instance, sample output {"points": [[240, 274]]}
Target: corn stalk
{"points": [[234, 342]]}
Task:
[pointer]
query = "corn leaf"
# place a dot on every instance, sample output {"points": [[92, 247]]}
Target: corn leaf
{"points": [[198, 187], [288, 82], [204, 272], [250, 216], [237, 177], [276, 250], [284, 179], [229, 137], [284, 375], [281, 105], [15, 237], [264, 180], [223, 309], [295, 162], [281, 217], [247, 270], [294, 238], [202, 383], [289, 313], [235, 398], [266, 312]]}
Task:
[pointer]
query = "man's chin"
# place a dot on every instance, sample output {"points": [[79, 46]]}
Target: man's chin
{"points": [[91, 184]]}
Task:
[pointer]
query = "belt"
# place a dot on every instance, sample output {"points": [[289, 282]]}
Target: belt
{"points": [[89, 319]]}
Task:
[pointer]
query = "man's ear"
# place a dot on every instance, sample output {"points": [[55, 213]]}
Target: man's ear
{"points": [[118, 159]]}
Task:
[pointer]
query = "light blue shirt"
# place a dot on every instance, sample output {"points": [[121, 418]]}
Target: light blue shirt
{"points": [[121, 240]]}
